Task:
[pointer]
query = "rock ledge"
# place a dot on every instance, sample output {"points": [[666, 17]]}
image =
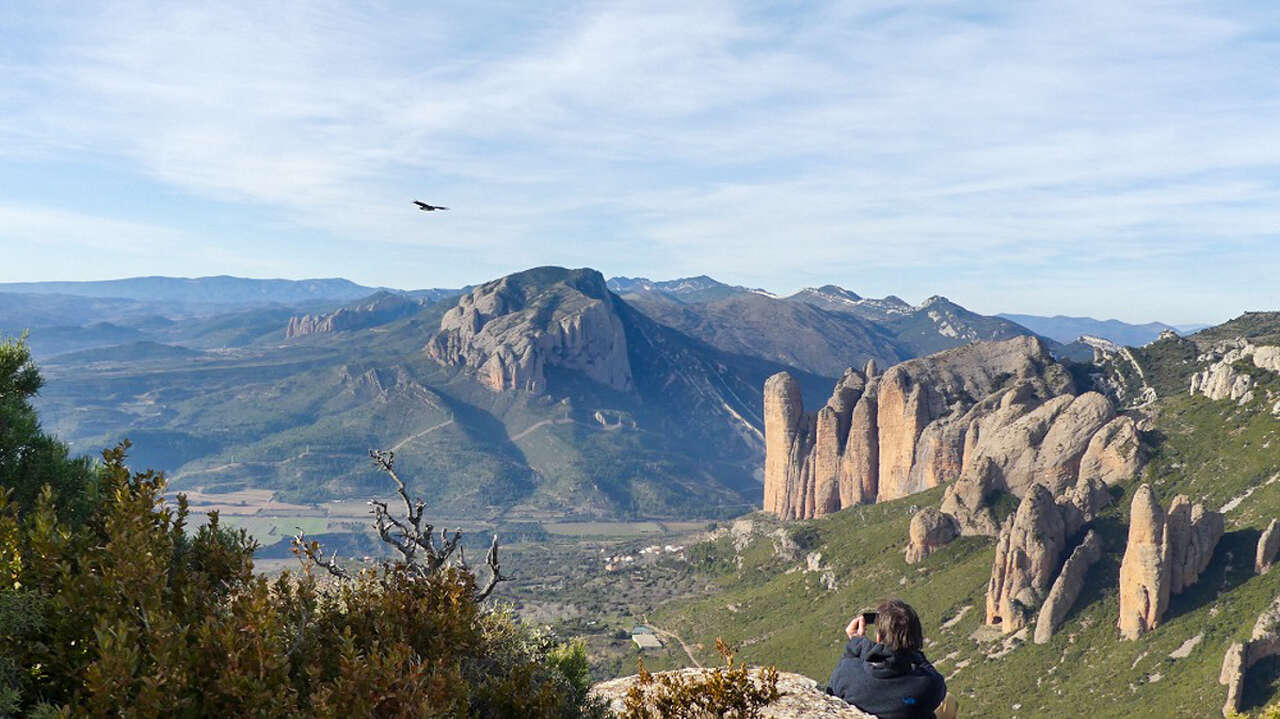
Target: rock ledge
{"points": [[801, 698]]}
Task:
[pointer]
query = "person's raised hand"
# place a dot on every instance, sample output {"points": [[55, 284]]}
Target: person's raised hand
{"points": [[857, 627]]}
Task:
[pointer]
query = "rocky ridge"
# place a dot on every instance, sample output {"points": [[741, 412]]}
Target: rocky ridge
{"points": [[378, 309], [988, 417], [800, 696]]}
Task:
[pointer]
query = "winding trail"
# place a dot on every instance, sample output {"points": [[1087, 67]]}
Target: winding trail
{"points": [[688, 652], [424, 432]]}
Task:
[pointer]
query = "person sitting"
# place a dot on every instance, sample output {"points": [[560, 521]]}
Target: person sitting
{"points": [[890, 678]]}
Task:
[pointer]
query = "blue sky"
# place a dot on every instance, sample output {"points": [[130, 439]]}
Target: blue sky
{"points": [[1101, 158]]}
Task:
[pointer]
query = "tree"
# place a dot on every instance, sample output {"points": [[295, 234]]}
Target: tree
{"points": [[30, 458]]}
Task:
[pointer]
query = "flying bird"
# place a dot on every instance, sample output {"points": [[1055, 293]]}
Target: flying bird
{"points": [[428, 208]]}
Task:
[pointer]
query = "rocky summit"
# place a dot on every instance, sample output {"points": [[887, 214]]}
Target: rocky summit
{"points": [[506, 333]]}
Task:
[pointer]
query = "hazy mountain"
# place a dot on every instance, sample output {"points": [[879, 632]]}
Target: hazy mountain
{"points": [[792, 333], [686, 289], [221, 289], [1068, 329], [679, 436]]}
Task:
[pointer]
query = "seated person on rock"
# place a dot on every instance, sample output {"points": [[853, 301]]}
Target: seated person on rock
{"points": [[890, 678]]}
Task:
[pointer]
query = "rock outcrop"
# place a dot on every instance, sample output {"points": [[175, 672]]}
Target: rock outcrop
{"points": [[1028, 551], [381, 308], [929, 529], [989, 416], [1066, 588], [1268, 548], [1224, 376], [1191, 535], [1263, 643], [1144, 571], [506, 333], [800, 697], [1166, 554]]}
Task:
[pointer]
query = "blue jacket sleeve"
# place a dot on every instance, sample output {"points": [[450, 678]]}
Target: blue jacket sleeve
{"points": [[857, 647]]}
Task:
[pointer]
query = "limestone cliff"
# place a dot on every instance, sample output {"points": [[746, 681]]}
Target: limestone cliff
{"points": [[995, 416], [506, 333]]}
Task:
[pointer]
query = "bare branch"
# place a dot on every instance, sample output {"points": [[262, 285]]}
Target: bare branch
{"points": [[495, 572], [311, 550]]}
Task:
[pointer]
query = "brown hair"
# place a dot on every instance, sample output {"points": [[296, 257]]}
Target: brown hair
{"points": [[898, 626]]}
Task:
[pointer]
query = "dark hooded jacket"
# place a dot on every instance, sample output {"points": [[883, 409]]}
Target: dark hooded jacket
{"points": [[891, 685]]}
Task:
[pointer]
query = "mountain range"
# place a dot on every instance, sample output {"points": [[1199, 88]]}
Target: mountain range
{"points": [[546, 392]]}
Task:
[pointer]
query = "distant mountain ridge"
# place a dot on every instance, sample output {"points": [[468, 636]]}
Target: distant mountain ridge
{"points": [[1067, 329], [217, 290]]}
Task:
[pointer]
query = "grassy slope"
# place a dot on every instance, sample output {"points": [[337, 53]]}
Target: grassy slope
{"points": [[1212, 451]]}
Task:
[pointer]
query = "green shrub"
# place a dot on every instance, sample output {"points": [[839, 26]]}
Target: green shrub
{"points": [[129, 610]]}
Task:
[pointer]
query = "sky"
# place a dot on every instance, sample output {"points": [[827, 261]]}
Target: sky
{"points": [[1112, 159]]}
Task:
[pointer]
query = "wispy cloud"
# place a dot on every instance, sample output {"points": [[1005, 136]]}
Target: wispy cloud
{"points": [[897, 145]]}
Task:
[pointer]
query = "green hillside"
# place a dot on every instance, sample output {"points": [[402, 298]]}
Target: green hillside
{"points": [[1215, 452]]}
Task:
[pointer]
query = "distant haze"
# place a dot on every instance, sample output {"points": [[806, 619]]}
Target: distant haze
{"points": [[1091, 158]]}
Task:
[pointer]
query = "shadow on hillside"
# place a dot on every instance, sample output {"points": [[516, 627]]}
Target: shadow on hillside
{"points": [[1222, 575], [1261, 684], [1104, 576]]}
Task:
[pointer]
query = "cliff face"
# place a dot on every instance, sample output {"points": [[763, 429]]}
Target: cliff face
{"points": [[379, 309], [988, 416], [506, 333]]}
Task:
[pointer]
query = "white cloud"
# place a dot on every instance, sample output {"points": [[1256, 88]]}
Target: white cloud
{"points": [[737, 139]]}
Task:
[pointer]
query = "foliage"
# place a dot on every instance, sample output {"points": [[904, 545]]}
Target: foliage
{"points": [[128, 609], [731, 692], [30, 458]]}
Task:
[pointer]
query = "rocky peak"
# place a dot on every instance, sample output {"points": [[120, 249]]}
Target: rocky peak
{"points": [[1028, 551], [506, 332], [1144, 572], [1167, 552]]}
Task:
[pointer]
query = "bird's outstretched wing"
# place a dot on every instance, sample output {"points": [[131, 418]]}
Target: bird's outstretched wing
{"points": [[421, 205]]}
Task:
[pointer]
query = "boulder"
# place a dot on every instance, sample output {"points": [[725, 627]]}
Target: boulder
{"points": [[1144, 572], [1028, 551], [1112, 454], [800, 696], [929, 530], [1066, 588], [1268, 548]]}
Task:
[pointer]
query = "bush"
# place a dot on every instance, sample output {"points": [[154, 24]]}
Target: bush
{"points": [[126, 609], [728, 692]]}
